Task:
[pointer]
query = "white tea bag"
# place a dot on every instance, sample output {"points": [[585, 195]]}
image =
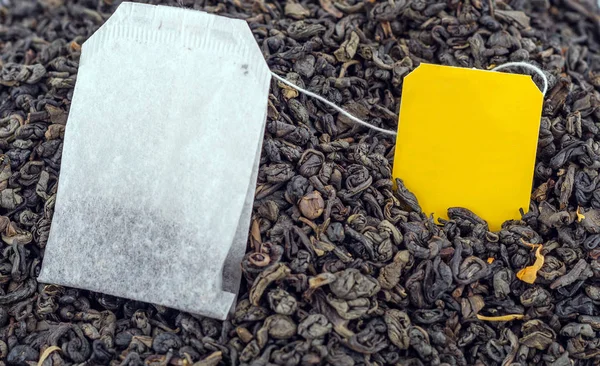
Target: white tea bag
{"points": [[160, 160]]}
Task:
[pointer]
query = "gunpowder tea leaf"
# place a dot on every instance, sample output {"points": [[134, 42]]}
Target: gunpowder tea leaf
{"points": [[159, 170]]}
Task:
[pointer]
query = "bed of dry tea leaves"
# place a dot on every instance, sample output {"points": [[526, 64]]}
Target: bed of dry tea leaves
{"points": [[340, 270]]}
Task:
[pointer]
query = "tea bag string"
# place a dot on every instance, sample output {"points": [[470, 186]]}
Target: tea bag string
{"points": [[529, 66], [357, 120], [339, 109]]}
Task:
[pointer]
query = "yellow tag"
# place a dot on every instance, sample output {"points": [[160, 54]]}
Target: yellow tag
{"points": [[468, 138]]}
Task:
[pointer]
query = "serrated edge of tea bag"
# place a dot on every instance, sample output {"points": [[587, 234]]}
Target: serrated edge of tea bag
{"points": [[237, 252], [224, 298], [190, 29]]}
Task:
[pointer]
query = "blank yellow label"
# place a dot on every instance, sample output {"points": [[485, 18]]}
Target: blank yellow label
{"points": [[468, 138]]}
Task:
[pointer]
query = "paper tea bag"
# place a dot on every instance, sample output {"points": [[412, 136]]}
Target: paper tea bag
{"points": [[160, 160]]}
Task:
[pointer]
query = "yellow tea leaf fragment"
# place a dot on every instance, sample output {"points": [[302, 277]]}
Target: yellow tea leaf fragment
{"points": [[503, 318], [47, 353], [321, 279], [529, 273], [490, 260], [580, 216], [288, 91], [468, 138]]}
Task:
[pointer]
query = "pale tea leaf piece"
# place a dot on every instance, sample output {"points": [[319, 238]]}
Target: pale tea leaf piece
{"points": [[502, 318]]}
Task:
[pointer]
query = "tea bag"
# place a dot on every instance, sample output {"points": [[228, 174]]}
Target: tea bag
{"points": [[160, 160]]}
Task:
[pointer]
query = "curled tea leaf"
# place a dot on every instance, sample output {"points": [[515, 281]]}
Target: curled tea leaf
{"points": [[580, 271], [21, 355], [15, 235], [47, 352], [211, 360], [398, 324], [282, 302], [537, 334], [328, 6], [389, 276], [312, 205], [321, 279], [350, 284], [280, 326], [295, 10], [349, 309], [265, 278], [407, 199], [314, 326], [591, 221], [347, 50]]}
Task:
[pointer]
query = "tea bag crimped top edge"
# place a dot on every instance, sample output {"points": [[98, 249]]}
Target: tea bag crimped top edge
{"points": [[192, 29], [156, 179]]}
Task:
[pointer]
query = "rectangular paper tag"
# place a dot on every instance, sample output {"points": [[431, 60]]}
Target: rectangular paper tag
{"points": [[468, 138]]}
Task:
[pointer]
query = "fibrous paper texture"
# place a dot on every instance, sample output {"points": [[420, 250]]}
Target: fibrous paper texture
{"points": [[160, 160]]}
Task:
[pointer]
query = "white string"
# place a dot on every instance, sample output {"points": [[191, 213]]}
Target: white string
{"points": [[526, 65], [529, 66], [320, 98]]}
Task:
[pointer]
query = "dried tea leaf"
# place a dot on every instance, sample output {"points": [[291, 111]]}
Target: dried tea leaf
{"points": [[328, 6], [47, 353], [349, 309], [55, 131], [282, 302], [9, 199], [529, 273], [580, 216], [541, 193], [471, 306], [312, 205], [580, 271], [244, 334], [4, 223], [398, 324], [314, 326], [265, 278], [350, 284], [321, 279], [15, 235], [322, 247], [537, 334], [288, 91], [280, 326], [389, 276], [212, 360], [295, 10], [347, 50], [518, 17], [591, 221], [57, 115], [502, 318]]}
